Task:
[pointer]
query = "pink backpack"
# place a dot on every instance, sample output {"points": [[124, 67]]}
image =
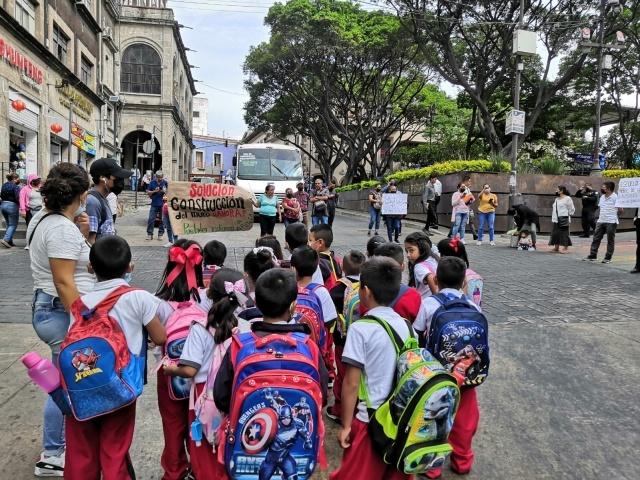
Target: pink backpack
{"points": [[475, 285], [204, 406], [178, 324]]}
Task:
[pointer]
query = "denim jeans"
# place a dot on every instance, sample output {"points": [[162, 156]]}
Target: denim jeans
{"points": [[460, 225], [167, 226], [315, 220], [490, 218], [374, 218], [153, 212], [51, 322], [289, 221], [393, 228], [10, 212]]}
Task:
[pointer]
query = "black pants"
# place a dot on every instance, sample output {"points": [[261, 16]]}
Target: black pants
{"points": [[267, 225], [601, 229], [588, 221], [332, 215], [637, 243], [432, 220]]}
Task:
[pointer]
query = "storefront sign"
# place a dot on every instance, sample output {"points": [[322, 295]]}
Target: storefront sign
{"points": [[83, 139], [81, 106], [207, 208], [30, 73]]}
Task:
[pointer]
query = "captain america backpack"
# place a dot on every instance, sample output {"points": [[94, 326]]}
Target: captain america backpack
{"points": [[460, 332], [309, 311], [98, 372], [275, 421], [177, 326]]}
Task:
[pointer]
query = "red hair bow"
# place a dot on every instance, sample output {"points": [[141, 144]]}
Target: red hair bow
{"points": [[455, 244], [184, 260]]}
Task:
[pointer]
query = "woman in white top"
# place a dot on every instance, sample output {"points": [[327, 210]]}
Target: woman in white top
{"points": [[59, 255], [561, 213]]}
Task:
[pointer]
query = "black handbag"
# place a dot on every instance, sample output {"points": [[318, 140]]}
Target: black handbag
{"points": [[563, 222]]}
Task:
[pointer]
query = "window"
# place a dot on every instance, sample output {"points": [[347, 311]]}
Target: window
{"points": [[60, 43], [196, 114], [141, 70], [217, 159], [200, 160], [26, 15], [86, 70], [109, 116]]}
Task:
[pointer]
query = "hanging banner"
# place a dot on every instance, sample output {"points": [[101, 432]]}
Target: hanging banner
{"points": [[628, 193], [208, 208]]}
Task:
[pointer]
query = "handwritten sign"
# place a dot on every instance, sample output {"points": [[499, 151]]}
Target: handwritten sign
{"points": [[628, 193], [208, 208], [394, 204]]}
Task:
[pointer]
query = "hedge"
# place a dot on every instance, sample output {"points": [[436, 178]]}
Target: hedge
{"points": [[621, 173], [442, 168]]}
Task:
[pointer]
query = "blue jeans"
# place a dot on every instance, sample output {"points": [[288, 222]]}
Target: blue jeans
{"points": [[393, 228], [315, 220], [490, 218], [153, 212], [459, 225], [374, 218], [167, 226], [51, 322], [134, 183], [11, 214]]}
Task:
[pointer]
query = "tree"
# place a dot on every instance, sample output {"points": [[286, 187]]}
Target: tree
{"points": [[469, 44], [347, 79]]}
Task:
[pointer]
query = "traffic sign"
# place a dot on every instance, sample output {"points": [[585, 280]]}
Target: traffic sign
{"points": [[149, 147], [515, 122]]}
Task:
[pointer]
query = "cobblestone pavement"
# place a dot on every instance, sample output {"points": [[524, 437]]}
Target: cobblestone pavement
{"points": [[559, 402]]}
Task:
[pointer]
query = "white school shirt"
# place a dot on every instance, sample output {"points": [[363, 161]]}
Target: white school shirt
{"points": [[431, 305], [329, 312], [608, 210], [369, 348], [132, 311], [317, 276], [198, 352], [420, 272]]}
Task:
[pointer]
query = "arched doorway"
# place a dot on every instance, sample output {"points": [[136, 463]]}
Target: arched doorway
{"points": [[133, 154]]}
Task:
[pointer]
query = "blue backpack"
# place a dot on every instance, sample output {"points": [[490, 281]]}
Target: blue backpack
{"points": [[275, 420], [458, 332], [309, 311]]}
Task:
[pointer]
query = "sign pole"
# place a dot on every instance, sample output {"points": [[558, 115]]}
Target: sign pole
{"points": [[70, 134], [136, 163]]}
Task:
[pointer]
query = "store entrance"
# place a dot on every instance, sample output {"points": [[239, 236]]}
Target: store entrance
{"points": [[134, 156]]}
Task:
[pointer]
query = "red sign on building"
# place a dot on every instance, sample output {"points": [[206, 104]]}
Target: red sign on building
{"points": [[21, 62]]}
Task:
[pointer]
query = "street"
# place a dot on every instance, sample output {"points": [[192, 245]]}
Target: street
{"points": [[560, 401]]}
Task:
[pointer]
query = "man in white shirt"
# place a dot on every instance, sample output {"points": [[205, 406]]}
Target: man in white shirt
{"points": [[438, 188], [607, 222]]}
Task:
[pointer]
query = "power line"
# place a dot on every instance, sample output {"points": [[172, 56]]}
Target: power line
{"points": [[223, 90]]}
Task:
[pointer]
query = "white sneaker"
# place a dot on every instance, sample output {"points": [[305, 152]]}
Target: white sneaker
{"points": [[492, 243], [479, 243], [52, 466], [168, 244], [463, 242]]}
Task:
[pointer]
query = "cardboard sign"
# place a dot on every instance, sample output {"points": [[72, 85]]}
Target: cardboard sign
{"points": [[394, 204], [208, 208], [628, 193]]}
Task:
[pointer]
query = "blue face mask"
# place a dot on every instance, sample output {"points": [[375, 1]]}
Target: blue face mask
{"points": [[127, 277]]}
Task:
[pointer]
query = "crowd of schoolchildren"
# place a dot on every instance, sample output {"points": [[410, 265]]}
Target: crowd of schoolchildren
{"points": [[245, 359]]}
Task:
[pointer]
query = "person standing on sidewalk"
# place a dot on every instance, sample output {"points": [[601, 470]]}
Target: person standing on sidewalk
{"points": [[10, 195], [589, 206], [30, 198], [332, 203], [156, 191], [319, 197], [607, 223], [561, 212], [428, 202], [437, 185], [488, 202], [375, 207], [303, 200]]}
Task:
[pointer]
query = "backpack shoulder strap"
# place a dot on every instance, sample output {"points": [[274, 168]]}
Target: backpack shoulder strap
{"points": [[110, 300], [397, 341], [39, 222]]}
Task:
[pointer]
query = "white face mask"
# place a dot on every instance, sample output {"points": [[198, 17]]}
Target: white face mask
{"points": [[80, 210]]}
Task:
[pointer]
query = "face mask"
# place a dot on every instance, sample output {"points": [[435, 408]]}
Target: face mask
{"points": [[603, 190], [378, 189], [127, 277], [461, 189], [300, 189], [80, 210], [118, 186], [289, 195]]}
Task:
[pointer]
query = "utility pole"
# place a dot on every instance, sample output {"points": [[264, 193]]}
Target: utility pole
{"points": [[595, 167], [136, 163], [516, 106]]}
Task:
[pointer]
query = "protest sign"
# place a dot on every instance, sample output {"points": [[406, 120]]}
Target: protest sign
{"points": [[208, 208], [628, 193], [394, 204]]}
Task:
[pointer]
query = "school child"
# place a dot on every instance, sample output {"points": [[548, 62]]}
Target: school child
{"points": [[296, 407], [99, 447], [408, 303], [214, 254], [422, 264], [524, 241], [346, 289], [450, 277], [181, 288], [256, 262], [296, 235], [166, 221], [369, 355], [474, 283], [200, 360], [272, 242], [373, 243]]}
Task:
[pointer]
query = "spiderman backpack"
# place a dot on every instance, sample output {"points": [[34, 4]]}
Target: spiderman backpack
{"points": [[275, 420], [309, 311], [98, 372], [178, 325]]}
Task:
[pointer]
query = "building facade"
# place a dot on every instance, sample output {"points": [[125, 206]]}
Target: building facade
{"points": [[213, 155], [200, 116], [76, 74]]}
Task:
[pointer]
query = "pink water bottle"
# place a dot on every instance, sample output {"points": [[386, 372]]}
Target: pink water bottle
{"points": [[45, 374]]}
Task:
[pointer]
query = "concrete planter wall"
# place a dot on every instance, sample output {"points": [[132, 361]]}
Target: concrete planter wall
{"points": [[536, 191]]}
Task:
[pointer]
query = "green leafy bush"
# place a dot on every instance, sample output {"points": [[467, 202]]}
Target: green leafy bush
{"points": [[621, 173], [551, 165]]}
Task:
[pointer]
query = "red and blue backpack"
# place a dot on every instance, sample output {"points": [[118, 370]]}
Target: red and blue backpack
{"points": [[309, 312], [275, 421], [98, 372]]}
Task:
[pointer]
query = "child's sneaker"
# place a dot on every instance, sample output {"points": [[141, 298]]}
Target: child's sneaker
{"points": [[149, 237], [50, 466], [479, 243], [493, 244]]}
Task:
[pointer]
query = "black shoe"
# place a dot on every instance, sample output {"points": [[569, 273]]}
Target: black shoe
{"points": [[591, 258], [435, 227], [635, 270], [606, 260], [584, 236], [475, 237], [333, 417]]}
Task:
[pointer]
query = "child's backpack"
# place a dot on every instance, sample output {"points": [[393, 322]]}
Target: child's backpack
{"points": [[309, 311], [98, 372], [206, 412], [275, 420], [410, 430], [333, 266], [178, 325], [475, 284], [351, 310], [459, 331]]}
